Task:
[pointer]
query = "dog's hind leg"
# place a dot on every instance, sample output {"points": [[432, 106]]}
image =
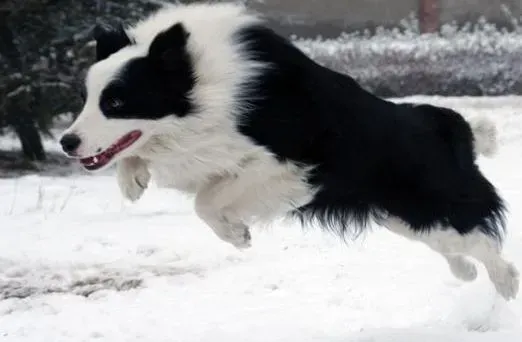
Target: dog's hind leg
{"points": [[461, 267], [454, 247]]}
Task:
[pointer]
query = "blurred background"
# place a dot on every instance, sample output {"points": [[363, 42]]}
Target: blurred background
{"points": [[395, 48]]}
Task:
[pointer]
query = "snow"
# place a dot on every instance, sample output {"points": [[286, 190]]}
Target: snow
{"points": [[479, 59], [77, 263]]}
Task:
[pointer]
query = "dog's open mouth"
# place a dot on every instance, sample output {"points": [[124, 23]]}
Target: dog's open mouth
{"points": [[103, 158]]}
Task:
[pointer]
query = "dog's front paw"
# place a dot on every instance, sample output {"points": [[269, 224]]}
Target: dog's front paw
{"points": [[133, 177], [241, 237], [238, 235]]}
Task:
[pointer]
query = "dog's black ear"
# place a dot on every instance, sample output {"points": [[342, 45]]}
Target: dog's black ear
{"points": [[169, 47], [109, 39]]}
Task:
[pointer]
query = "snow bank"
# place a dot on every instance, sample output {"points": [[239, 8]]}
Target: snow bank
{"points": [[473, 60]]}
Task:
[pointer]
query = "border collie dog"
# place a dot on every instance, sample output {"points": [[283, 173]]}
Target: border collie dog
{"points": [[206, 99]]}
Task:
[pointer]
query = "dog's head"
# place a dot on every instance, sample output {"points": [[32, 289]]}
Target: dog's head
{"points": [[130, 91]]}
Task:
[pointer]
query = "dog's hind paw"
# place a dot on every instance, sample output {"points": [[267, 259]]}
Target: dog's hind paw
{"points": [[506, 280], [133, 177]]}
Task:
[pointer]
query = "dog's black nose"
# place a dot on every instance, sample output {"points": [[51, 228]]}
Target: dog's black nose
{"points": [[70, 142]]}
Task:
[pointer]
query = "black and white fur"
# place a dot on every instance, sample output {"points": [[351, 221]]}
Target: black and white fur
{"points": [[233, 113]]}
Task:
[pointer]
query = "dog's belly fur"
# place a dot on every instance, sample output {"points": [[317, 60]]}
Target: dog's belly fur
{"points": [[257, 187], [173, 175]]}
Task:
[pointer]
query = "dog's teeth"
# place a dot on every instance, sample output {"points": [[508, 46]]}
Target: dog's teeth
{"points": [[95, 160]]}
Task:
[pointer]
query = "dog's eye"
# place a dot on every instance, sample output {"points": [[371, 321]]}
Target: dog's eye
{"points": [[114, 103]]}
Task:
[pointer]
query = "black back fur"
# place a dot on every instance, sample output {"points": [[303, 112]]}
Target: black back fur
{"points": [[373, 157]]}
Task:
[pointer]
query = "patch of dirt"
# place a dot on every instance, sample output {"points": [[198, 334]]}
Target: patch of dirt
{"points": [[19, 281]]}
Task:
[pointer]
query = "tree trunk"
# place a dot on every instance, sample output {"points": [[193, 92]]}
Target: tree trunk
{"points": [[18, 109], [30, 139], [429, 15]]}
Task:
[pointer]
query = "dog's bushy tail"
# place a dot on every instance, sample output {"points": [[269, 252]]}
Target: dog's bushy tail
{"points": [[485, 136]]}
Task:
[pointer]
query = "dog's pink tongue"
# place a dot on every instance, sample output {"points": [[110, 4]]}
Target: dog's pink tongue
{"points": [[101, 158], [104, 158], [88, 160]]}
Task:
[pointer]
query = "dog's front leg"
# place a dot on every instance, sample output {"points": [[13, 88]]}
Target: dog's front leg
{"points": [[133, 177], [215, 205]]}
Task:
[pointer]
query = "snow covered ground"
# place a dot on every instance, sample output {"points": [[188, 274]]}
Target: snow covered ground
{"points": [[77, 263]]}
